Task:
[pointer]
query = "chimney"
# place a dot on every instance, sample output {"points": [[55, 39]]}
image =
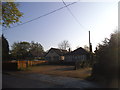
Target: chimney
{"points": [[69, 50]]}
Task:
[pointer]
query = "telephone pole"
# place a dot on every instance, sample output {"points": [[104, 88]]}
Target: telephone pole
{"points": [[90, 44]]}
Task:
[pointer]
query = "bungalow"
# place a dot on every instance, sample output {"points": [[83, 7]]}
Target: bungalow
{"points": [[55, 55], [77, 55]]}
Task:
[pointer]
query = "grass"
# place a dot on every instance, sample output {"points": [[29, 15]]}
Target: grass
{"points": [[59, 70]]}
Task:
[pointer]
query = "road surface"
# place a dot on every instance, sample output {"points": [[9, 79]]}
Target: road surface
{"points": [[20, 82], [43, 81]]}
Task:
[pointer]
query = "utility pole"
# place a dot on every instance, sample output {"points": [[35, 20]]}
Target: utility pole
{"points": [[89, 40], [90, 50], [90, 44]]}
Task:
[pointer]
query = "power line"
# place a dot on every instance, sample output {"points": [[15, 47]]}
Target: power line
{"points": [[73, 15], [42, 15]]}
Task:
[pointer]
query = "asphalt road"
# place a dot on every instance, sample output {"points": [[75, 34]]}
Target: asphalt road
{"points": [[43, 81], [9, 81]]}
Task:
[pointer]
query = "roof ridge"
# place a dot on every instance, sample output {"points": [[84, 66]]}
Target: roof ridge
{"points": [[59, 49]]}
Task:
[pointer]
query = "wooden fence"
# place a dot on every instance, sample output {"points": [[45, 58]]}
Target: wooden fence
{"points": [[15, 65]]}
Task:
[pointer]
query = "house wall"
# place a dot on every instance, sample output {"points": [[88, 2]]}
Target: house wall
{"points": [[74, 58], [52, 56], [68, 58]]}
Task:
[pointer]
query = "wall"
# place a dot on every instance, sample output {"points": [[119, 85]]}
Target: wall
{"points": [[52, 56], [74, 58]]}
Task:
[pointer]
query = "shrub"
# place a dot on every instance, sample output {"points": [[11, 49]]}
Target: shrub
{"points": [[106, 69]]}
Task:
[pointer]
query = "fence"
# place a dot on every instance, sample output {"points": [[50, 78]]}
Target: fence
{"points": [[15, 65]]}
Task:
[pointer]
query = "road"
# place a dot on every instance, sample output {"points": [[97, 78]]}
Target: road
{"points": [[43, 81], [20, 82]]}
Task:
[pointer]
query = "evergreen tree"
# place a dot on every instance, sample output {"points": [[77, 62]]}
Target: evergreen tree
{"points": [[5, 49]]}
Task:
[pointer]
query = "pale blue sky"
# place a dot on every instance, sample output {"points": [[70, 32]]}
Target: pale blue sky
{"points": [[101, 18]]}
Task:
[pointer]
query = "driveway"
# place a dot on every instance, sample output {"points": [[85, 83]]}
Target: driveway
{"points": [[44, 81]]}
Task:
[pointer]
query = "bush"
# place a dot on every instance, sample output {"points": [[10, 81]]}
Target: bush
{"points": [[106, 69]]}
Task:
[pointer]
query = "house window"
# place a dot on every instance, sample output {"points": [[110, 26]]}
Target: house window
{"points": [[62, 57]]}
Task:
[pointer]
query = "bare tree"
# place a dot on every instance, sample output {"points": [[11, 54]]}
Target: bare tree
{"points": [[64, 45]]}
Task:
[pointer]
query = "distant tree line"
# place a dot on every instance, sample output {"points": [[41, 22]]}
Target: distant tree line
{"points": [[21, 50], [25, 50]]}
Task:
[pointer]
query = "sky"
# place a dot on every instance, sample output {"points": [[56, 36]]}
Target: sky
{"points": [[101, 18]]}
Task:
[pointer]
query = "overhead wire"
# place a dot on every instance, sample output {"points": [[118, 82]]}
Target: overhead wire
{"points": [[73, 15], [42, 15]]}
